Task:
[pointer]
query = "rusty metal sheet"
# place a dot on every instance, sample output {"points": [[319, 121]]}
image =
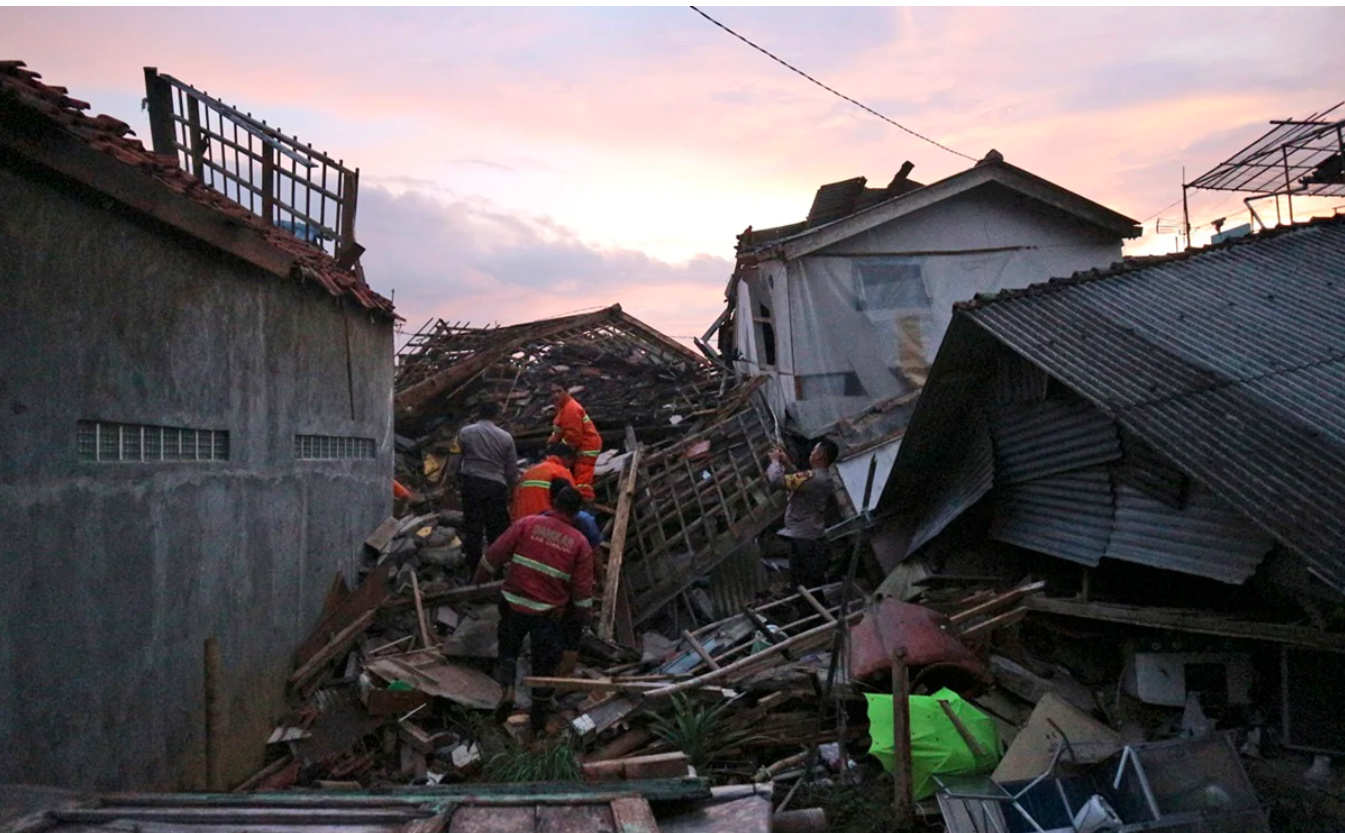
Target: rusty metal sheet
{"points": [[896, 624]]}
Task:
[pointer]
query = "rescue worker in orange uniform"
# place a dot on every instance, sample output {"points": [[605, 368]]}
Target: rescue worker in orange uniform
{"points": [[578, 431], [533, 492]]}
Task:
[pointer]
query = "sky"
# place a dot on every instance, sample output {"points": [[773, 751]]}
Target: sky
{"points": [[524, 163]]}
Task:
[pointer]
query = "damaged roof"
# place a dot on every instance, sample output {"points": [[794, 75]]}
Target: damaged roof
{"points": [[1228, 361], [826, 225], [265, 245]]}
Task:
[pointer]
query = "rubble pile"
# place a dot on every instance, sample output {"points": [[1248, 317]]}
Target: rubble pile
{"points": [[625, 373]]}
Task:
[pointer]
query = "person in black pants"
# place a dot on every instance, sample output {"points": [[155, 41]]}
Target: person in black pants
{"points": [[485, 462]]}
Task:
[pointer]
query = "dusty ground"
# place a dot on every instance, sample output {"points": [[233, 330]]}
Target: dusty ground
{"points": [[1297, 806]]}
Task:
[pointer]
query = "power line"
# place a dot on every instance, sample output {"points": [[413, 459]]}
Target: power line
{"points": [[834, 92]]}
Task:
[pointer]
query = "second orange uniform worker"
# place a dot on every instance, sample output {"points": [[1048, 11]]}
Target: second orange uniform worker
{"points": [[573, 426]]}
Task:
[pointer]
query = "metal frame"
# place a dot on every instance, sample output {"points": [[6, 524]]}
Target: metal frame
{"points": [[275, 176], [1295, 157]]}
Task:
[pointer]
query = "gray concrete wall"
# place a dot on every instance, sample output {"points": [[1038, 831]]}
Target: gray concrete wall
{"points": [[113, 574]]}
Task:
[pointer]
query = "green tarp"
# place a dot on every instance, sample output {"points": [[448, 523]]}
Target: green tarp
{"points": [[936, 746]]}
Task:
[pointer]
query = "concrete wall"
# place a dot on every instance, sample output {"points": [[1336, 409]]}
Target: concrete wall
{"points": [[113, 574]]}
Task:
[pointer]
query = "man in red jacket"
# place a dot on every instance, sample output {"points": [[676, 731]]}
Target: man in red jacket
{"points": [[578, 431], [550, 571]]}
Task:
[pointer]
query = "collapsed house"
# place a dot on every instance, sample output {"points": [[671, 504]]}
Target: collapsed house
{"points": [[197, 436], [698, 498], [848, 308], [1178, 413]]}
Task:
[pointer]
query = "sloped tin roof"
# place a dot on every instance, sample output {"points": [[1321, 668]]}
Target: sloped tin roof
{"points": [[1229, 361]]}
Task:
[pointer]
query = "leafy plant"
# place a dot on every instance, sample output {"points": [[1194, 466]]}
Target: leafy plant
{"points": [[550, 759], [698, 731]]}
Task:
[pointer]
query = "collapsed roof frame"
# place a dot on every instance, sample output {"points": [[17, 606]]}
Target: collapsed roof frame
{"points": [[441, 358], [1302, 157]]}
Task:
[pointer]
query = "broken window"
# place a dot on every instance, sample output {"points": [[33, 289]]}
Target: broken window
{"points": [[889, 285], [827, 385], [765, 328]]}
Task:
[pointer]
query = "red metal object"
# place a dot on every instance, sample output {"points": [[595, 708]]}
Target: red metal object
{"points": [[922, 633]]}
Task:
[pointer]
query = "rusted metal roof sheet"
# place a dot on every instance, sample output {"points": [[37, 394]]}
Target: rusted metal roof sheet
{"points": [[1230, 362]]}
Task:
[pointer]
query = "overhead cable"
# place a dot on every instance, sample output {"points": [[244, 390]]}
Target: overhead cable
{"points": [[834, 92]]}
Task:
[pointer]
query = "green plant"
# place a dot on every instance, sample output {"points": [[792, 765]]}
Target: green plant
{"points": [[551, 759], [698, 731]]}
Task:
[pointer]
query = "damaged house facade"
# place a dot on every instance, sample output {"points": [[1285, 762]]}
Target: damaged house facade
{"points": [[1181, 413], [197, 438], [848, 308]]}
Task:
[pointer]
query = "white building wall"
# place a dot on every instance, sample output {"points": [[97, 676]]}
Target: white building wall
{"points": [[848, 353]]}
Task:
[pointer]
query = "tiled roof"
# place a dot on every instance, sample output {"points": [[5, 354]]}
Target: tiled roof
{"points": [[20, 86], [1228, 361]]}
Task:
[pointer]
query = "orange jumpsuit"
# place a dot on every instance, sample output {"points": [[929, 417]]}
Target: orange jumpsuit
{"points": [[533, 493], [578, 431]]}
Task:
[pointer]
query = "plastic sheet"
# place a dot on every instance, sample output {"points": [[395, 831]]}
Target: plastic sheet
{"points": [[936, 746]]}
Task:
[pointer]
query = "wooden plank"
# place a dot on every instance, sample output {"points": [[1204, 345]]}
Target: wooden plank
{"points": [[339, 644], [818, 606], [579, 684], [383, 535], [440, 678], [700, 650], [454, 595], [367, 597], [977, 750], [420, 613], [759, 658], [1190, 621], [1002, 600], [633, 815], [607, 620], [903, 802], [1006, 618]]}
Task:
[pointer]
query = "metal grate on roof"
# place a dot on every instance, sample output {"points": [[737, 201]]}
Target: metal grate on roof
{"points": [[1295, 156]]}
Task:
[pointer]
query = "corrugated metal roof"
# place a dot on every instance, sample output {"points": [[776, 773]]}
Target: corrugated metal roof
{"points": [[1204, 538], [1230, 362], [1042, 438], [1068, 515]]}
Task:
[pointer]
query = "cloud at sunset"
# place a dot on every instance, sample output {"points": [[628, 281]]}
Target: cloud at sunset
{"points": [[526, 162]]}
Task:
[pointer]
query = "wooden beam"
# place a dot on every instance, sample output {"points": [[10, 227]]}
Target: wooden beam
{"points": [[903, 803], [818, 606], [420, 612], [997, 602], [607, 622], [1190, 621], [700, 650], [340, 643]]}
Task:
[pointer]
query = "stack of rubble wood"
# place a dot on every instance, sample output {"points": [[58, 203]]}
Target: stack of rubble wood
{"points": [[393, 687]]}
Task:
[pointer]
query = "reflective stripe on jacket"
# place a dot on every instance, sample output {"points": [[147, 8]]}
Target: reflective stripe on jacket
{"points": [[574, 427], [548, 564], [533, 494]]}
